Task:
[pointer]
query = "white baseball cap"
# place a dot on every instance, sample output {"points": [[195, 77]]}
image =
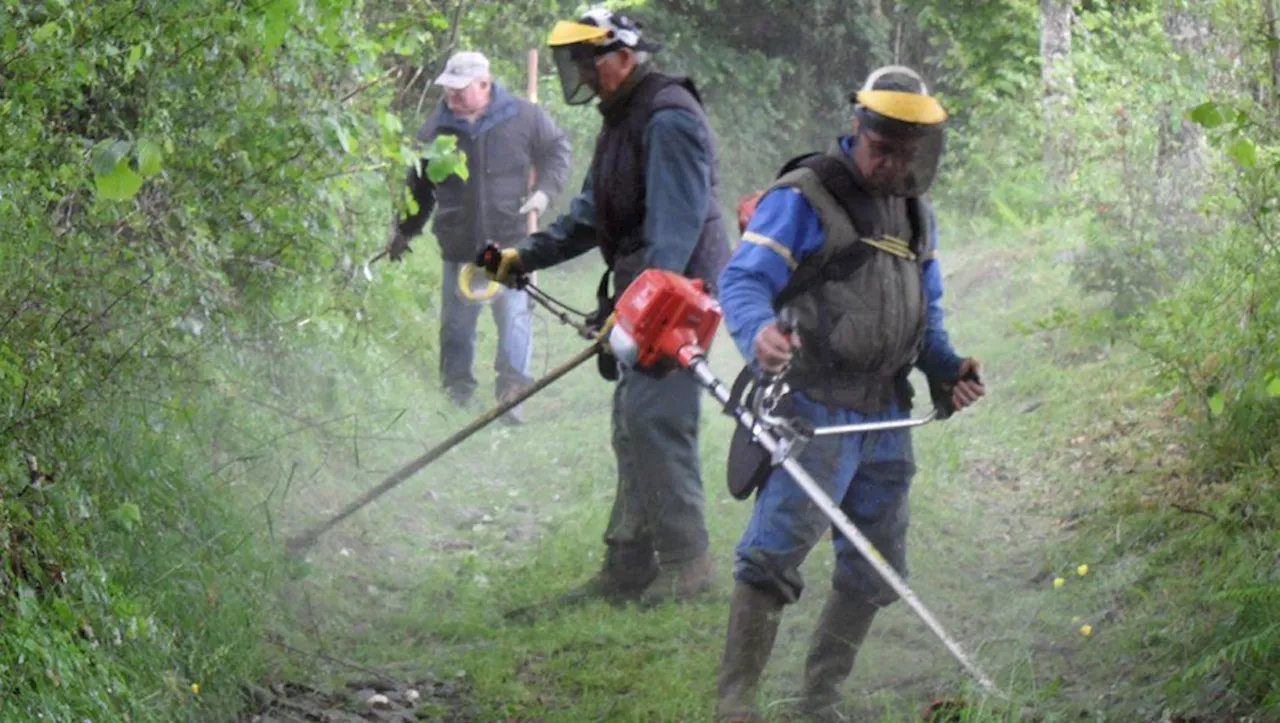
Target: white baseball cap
{"points": [[462, 69]]}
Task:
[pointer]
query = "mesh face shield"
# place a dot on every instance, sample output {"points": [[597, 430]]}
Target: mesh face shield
{"points": [[900, 130], [905, 156], [575, 64]]}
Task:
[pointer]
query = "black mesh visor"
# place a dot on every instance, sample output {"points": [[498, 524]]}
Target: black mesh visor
{"points": [[576, 66], [916, 146]]}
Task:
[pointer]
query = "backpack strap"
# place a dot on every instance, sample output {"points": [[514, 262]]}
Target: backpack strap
{"points": [[858, 205]]}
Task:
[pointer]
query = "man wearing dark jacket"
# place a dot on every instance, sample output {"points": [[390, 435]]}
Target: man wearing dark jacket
{"points": [[503, 137], [649, 201]]}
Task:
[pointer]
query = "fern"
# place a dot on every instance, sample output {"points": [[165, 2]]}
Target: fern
{"points": [[1263, 595], [1255, 649]]}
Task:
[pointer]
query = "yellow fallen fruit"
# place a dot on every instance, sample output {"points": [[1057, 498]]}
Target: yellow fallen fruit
{"points": [[1082, 570], [1059, 582], [1086, 630], [195, 688]]}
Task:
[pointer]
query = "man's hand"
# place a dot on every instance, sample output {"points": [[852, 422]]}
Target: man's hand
{"points": [[968, 390], [537, 203], [509, 268], [773, 348], [398, 246]]}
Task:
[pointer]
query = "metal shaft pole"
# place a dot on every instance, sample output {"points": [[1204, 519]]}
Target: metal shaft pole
{"points": [[874, 426], [307, 538], [704, 375]]}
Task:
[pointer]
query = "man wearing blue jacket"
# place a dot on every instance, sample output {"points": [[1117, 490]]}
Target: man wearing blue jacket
{"points": [[649, 201], [846, 240], [504, 137]]}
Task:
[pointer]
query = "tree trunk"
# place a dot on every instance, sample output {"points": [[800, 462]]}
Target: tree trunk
{"points": [[1181, 144], [1273, 35], [1055, 74]]}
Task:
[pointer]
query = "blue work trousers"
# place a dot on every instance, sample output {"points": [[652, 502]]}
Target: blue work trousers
{"points": [[868, 475]]}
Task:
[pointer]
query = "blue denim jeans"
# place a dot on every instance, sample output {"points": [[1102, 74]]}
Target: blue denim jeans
{"points": [[458, 318], [868, 475]]}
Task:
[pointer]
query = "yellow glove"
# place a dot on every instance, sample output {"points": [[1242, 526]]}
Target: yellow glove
{"points": [[509, 269]]}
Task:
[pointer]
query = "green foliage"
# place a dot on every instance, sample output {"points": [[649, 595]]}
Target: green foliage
{"points": [[186, 189], [176, 177]]}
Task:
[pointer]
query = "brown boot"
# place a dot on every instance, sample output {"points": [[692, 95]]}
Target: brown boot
{"points": [[624, 575], [754, 615], [841, 629], [676, 583]]}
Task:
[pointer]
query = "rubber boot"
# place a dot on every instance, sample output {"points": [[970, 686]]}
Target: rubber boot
{"points": [[754, 615], [676, 583], [841, 629]]}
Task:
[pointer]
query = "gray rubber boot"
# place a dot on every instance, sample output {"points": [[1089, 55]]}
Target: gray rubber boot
{"points": [[753, 624], [841, 629]]}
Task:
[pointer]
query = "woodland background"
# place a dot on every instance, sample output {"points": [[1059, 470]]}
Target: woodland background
{"points": [[194, 356]]}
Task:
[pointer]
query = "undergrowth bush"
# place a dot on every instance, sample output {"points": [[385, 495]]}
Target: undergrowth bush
{"points": [[1212, 338]]}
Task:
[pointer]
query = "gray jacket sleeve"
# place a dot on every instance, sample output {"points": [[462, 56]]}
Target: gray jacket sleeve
{"points": [[571, 235], [551, 155], [677, 188]]}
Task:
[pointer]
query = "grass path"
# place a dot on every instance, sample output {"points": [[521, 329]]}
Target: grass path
{"points": [[419, 581]]}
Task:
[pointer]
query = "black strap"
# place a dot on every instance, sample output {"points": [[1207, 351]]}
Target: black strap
{"points": [[739, 388], [857, 204]]}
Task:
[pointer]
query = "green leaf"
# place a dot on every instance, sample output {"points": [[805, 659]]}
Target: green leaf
{"points": [[150, 157], [1216, 404], [128, 515], [1244, 152], [120, 184], [1208, 115], [391, 122], [1273, 387], [344, 140], [44, 32], [276, 21], [441, 168], [109, 155]]}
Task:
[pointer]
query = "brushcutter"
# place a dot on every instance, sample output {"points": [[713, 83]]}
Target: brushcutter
{"points": [[664, 320]]}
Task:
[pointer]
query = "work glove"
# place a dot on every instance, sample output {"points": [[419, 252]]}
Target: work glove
{"points": [[398, 246], [537, 203], [507, 271], [950, 397], [968, 388]]}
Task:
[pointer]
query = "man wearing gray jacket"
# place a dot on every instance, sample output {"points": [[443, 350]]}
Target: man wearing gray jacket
{"points": [[504, 137]]}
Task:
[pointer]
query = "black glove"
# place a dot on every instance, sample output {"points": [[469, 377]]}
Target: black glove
{"points": [[398, 246]]}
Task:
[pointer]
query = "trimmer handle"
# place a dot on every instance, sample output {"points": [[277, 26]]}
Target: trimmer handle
{"points": [[786, 320], [941, 394], [490, 257]]}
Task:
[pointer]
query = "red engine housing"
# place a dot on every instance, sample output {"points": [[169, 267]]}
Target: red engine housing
{"points": [[668, 317]]}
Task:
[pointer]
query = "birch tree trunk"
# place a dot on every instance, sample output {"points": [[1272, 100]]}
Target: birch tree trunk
{"points": [[1055, 74]]}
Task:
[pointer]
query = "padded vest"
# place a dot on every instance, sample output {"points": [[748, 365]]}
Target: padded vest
{"points": [[859, 302], [618, 188]]}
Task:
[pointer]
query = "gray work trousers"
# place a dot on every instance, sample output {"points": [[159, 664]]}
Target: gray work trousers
{"points": [[659, 506]]}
